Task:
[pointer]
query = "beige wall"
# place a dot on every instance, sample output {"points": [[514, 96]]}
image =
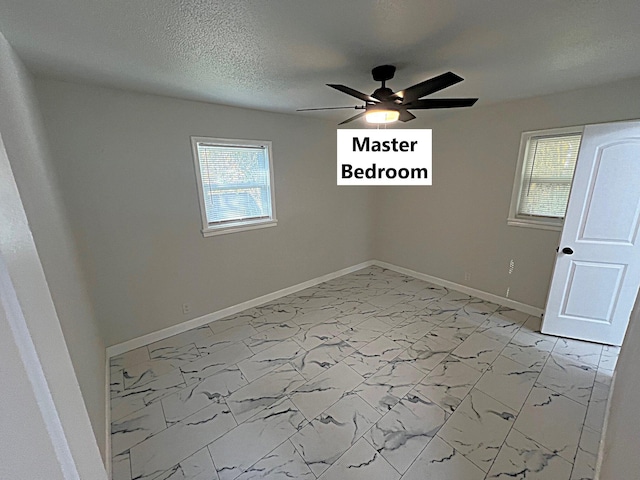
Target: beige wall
{"points": [[42, 299], [459, 224], [124, 164]]}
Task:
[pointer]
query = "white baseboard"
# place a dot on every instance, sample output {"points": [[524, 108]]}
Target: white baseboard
{"points": [[603, 435], [107, 406], [490, 297], [196, 322], [211, 317]]}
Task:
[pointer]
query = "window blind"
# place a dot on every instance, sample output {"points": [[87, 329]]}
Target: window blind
{"points": [[235, 182], [547, 175]]}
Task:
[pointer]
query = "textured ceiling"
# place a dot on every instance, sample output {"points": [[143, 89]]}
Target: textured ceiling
{"points": [[278, 55]]}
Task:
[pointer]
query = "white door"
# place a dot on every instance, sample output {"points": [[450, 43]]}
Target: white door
{"points": [[597, 271]]}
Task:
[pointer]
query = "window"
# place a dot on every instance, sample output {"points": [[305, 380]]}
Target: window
{"points": [[235, 181], [541, 189]]}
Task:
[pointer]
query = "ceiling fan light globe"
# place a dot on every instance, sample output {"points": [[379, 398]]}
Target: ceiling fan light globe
{"points": [[382, 116]]}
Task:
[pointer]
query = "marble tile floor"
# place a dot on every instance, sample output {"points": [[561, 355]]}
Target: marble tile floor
{"points": [[373, 375]]}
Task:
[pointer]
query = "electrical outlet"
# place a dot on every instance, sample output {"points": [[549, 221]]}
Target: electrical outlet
{"points": [[467, 277], [186, 308]]}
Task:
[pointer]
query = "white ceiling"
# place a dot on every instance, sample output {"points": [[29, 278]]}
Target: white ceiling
{"points": [[278, 55]]}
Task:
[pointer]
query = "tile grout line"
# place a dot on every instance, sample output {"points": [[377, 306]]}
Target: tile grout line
{"points": [[441, 426], [461, 400], [471, 389], [587, 414], [469, 393], [535, 441], [403, 350], [512, 427]]}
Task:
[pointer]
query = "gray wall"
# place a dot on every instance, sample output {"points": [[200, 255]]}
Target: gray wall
{"points": [[50, 301], [124, 167], [621, 442], [124, 164], [24, 436], [459, 224]]}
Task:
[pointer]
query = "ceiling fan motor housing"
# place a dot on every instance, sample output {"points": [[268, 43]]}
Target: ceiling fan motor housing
{"points": [[383, 73], [382, 94]]}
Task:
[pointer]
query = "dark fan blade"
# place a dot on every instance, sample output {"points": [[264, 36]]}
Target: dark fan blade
{"points": [[323, 108], [405, 116], [354, 93], [355, 117], [441, 103], [428, 87]]}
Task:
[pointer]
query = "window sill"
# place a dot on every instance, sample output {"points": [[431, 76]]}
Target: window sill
{"points": [[211, 232], [539, 224]]}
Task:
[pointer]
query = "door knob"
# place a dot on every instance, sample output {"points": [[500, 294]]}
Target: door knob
{"points": [[567, 250]]}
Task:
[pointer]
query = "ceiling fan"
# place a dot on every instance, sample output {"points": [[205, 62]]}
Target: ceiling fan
{"points": [[386, 106]]}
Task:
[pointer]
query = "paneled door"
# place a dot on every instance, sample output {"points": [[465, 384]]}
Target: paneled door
{"points": [[597, 271]]}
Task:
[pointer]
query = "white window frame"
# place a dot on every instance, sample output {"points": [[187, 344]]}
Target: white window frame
{"points": [[209, 230], [544, 223]]}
